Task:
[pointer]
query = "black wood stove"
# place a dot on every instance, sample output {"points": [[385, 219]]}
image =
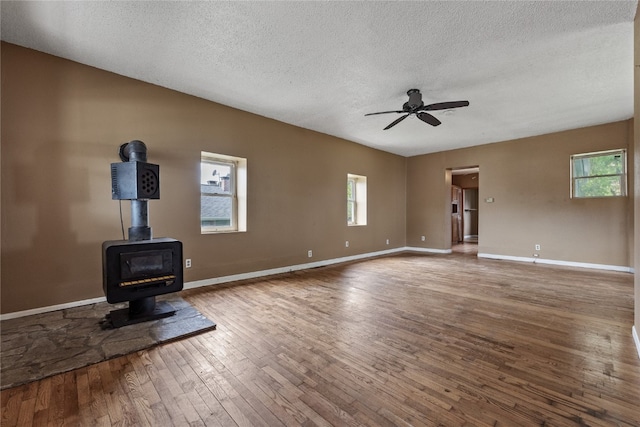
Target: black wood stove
{"points": [[139, 269]]}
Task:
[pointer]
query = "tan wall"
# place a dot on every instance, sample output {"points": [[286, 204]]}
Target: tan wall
{"points": [[62, 124], [529, 181]]}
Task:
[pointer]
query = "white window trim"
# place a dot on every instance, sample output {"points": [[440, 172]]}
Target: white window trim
{"points": [[360, 200], [239, 193], [623, 175]]}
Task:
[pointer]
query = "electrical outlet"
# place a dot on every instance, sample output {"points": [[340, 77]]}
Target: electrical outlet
{"points": [[187, 263], [387, 241], [537, 247], [346, 244], [310, 254], [423, 238]]}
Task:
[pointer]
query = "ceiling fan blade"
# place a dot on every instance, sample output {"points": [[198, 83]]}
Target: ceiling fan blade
{"points": [[445, 105], [428, 118], [385, 112], [396, 121]]}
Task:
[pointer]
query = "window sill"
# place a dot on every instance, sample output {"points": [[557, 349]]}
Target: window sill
{"points": [[221, 231]]}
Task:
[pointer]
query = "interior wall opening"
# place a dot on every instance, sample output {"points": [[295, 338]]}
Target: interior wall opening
{"points": [[465, 209]]}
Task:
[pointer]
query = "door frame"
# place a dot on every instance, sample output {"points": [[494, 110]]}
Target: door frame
{"points": [[451, 173]]}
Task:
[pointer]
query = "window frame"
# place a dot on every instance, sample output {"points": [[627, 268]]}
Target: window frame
{"points": [[358, 200], [237, 192], [622, 176]]}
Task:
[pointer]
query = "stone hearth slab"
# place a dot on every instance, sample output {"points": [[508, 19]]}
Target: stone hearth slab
{"points": [[42, 345]]}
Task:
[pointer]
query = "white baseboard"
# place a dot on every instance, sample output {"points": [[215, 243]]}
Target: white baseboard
{"points": [[558, 262], [212, 281], [636, 339], [287, 269], [47, 309], [322, 263]]}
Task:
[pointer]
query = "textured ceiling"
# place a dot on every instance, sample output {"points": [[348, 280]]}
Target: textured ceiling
{"points": [[527, 68]]}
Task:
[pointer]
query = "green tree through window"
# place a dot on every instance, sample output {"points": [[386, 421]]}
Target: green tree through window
{"points": [[599, 174]]}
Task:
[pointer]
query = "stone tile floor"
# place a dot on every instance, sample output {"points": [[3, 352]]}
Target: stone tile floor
{"points": [[38, 346]]}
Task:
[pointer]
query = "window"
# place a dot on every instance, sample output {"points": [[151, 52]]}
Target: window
{"points": [[222, 193], [356, 200], [601, 174]]}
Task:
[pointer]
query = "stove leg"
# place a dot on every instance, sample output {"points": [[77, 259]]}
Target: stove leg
{"points": [[142, 306], [140, 310]]}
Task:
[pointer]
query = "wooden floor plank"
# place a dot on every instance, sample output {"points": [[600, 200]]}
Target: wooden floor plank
{"points": [[25, 416], [409, 339], [11, 404]]}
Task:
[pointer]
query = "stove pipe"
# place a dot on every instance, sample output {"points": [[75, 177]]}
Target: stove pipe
{"points": [[136, 151]]}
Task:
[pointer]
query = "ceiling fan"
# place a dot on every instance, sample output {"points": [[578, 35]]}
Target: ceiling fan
{"points": [[415, 106]]}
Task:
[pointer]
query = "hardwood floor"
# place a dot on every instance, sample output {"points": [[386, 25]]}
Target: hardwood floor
{"points": [[469, 248], [418, 340]]}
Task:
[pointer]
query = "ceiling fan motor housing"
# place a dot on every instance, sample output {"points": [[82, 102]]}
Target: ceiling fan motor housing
{"points": [[415, 99]]}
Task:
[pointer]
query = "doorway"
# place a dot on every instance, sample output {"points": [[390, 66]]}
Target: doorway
{"points": [[465, 209]]}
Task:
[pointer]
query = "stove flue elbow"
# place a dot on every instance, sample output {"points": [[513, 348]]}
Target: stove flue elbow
{"points": [[133, 151]]}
